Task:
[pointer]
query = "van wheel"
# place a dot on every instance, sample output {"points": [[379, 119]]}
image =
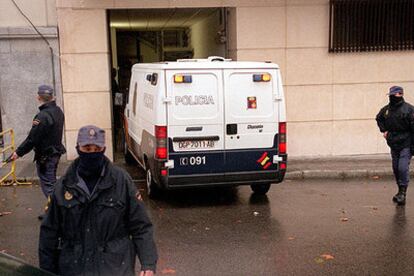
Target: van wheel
{"points": [[260, 189], [152, 188], [129, 159]]}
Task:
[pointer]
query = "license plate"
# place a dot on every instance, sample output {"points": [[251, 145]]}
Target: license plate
{"points": [[203, 144]]}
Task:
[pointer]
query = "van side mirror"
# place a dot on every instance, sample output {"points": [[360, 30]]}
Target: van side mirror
{"points": [[154, 79]]}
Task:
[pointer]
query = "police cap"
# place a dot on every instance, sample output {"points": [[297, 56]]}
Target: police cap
{"points": [[45, 90], [395, 90], [91, 135]]}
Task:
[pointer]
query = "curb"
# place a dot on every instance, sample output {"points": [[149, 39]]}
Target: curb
{"points": [[337, 174], [311, 174]]}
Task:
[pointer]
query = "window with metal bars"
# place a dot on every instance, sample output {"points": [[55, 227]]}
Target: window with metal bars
{"points": [[371, 25]]}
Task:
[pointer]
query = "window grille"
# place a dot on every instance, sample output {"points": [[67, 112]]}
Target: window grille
{"points": [[371, 25]]}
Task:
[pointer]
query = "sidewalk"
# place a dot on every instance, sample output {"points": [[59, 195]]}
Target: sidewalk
{"points": [[340, 167], [343, 167]]}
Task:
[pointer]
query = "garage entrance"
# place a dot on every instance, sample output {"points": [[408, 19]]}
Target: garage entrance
{"points": [[155, 35]]}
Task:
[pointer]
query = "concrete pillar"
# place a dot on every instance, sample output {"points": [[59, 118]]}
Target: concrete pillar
{"points": [[85, 73]]}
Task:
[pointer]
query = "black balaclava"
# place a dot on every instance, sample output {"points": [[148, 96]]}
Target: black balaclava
{"points": [[90, 166], [394, 100]]}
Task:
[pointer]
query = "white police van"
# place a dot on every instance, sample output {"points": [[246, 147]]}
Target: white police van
{"points": [[207, 122]]}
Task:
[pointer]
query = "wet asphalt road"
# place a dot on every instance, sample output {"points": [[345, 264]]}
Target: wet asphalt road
{"points": [[299, 228]]}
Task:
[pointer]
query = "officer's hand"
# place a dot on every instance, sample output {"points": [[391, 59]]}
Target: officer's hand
{"points": [[14, 156], [147, 273], [385, 134]]}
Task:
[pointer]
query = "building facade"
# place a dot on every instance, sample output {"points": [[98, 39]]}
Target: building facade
{"points": [[332, 98], [26, 61]]}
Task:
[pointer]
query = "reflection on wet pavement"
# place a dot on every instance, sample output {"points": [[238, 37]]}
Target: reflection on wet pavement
{"points": [[299, 228]]}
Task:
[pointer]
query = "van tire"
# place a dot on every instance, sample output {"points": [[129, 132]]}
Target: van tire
{"points": [[129, 159], [152, 189], [260, 189]]}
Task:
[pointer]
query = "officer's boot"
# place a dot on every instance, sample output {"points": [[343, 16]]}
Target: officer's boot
{"points": [[394, 198], [401, 196]]}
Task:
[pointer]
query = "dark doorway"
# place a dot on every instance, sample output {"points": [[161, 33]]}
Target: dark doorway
{"points": [[158, 35]]}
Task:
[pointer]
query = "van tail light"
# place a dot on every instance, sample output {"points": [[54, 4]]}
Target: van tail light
{"points": [[161, 153], [282, 138], [161, 142]]}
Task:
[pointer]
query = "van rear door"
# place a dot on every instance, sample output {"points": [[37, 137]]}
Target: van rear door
{"points": [[195, 121], [251, 119]]}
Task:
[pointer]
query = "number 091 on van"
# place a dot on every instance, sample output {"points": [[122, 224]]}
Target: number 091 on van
{"points": [[207, 122]]}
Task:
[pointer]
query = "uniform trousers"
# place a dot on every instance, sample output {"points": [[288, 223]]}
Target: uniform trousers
{"points": [[401, 165], [46, 170]]}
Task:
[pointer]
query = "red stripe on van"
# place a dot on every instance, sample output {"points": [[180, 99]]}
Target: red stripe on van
{"points": [[262, 157]]}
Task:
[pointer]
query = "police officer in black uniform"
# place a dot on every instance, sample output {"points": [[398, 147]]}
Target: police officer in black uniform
{"points": [[96, 223], [396, 122], [45, 138]]}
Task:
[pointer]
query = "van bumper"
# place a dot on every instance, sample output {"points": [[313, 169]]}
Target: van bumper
{"points": [[228, 179]]}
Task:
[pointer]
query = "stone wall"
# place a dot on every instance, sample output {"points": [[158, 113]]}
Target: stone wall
{"points": [[25, 63], [332, 99]]}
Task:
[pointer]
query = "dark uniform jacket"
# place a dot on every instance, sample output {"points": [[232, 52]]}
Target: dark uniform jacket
{"points": [[45, 137], [97, 234], [398, 120]]}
